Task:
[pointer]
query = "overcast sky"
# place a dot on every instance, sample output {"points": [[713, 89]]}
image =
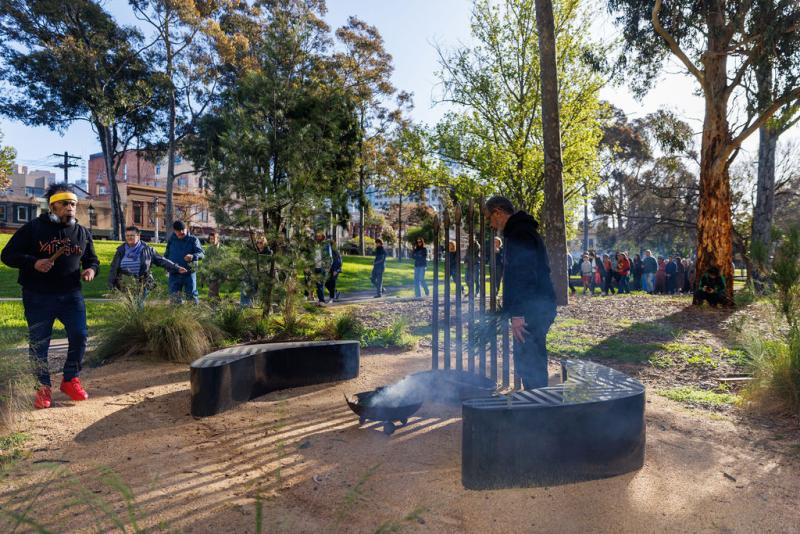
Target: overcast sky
{"points": [[409, 28]]}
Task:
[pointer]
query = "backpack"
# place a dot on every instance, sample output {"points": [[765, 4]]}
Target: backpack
{"points": [[336, 263]]}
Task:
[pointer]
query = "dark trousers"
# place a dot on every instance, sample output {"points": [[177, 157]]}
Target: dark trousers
{"points": [[713, 298], [530, 357], [377, 280], [40, 311], [319, 281], [330, 284], [186, 283]]}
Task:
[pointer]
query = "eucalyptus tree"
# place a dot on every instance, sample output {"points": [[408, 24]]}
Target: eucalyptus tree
{"points": [[70, 61], [366, 69], [722, 44], [495, 85]]}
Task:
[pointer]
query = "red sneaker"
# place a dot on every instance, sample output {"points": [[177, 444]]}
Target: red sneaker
{"points": [[44, 398], [74, 390]]}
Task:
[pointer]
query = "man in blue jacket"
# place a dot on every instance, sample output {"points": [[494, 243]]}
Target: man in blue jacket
{"points": [[184, 250], [528, 296]]}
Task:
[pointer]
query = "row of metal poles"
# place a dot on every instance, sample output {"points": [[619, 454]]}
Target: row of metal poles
{"points": [[488, 338]]}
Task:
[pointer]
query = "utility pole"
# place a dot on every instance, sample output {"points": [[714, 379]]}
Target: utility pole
{"points": [[585, 218], [66, 165]]}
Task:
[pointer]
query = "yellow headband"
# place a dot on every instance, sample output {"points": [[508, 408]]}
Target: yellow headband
{"points": [[66, 195]]}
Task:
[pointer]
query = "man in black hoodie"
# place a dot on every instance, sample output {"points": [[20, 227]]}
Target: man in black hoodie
{"points": [[528, 295], [53, 254]]}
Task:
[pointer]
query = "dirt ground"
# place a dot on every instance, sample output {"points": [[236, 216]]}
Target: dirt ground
{"points": [[301, 457]]}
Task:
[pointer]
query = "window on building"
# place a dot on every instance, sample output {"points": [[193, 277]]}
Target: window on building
{"points": [[125, 172], [93, 218], [183, 182], [138, 213], [102, 190], [178, 159], [203, 216], [158, 170], [2, 213], [22, 213]]}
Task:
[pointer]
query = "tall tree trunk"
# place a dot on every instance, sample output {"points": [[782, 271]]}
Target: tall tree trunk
{"points": [[714, 221], [765, 194], [553, 211], [361, 210], [169, 210], [117, 213], [585, 219], [400, 229]]}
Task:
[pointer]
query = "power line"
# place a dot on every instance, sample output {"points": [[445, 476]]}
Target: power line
{"points": [[66, 165]]}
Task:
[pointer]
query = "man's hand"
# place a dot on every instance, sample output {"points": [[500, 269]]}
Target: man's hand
{"points": [[88, 275], [188, 257], [518, 325], [182, 270], [43, 265]]}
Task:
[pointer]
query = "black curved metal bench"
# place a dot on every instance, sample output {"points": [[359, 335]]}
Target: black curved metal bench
{"points": [[230, 376], [590, 426]]}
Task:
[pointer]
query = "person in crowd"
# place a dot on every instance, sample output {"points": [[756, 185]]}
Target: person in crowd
{"points": [[671, 270], [686, 288], [680, 274], [587, 268], [649, 269], [184, 250], [215, 275], [333, 274], [53, 253], [598, 272], [378, 266], [609, 270], [661, 277], [453, 259], [711, 288], [420, 255], [623, 271], [323, 259], [528, 295], [472, 262], [691, 275], [498, 259], [637, 269], [572, 268], [130, 268]]}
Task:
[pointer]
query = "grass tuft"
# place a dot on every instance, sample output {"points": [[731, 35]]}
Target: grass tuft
{"points": [[698, 397]]}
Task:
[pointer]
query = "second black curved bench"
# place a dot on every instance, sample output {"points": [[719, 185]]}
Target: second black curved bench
{"points": [[591, 426], [230, 376]]}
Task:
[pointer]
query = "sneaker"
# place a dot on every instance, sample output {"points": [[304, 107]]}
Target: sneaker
{"points": [[44, 398], [74, 390]]}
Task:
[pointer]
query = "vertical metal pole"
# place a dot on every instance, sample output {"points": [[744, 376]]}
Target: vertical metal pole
{"points": [[482, 353], [447, 269], [471, 318], [517, 381], [506, 353], [459, 323], [435, 302], [493, 302]]}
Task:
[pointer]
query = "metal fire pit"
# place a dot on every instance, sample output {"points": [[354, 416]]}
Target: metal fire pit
{"points": [[367, 410]]}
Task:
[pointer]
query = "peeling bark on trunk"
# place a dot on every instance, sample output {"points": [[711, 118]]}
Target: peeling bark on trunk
{"points": [[714, 220], [765, 187]]}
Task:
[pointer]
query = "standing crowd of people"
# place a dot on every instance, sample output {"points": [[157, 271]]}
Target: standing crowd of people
{"points": [[619, 273]]}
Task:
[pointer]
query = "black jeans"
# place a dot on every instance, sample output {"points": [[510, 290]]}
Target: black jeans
{"points": [[377, 280], [41, 309], [530, 357], [319, 280], [330, 284]]}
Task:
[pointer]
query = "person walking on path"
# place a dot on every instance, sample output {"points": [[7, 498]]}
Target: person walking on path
{"points": [[528, 295], [323, 259], [649, 269], [623, 270], [610, 275], [586, 272], [598, 272], [53, 254], [420, 255], [130, 268], [184, 250], [454, 260], [661, 277], [333, 273], [378, 266]]}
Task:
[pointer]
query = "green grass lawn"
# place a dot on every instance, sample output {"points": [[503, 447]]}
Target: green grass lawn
{"points": [[14, 329]]}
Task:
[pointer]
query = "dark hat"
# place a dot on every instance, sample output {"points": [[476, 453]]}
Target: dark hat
{"points": [[178, 225]]}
